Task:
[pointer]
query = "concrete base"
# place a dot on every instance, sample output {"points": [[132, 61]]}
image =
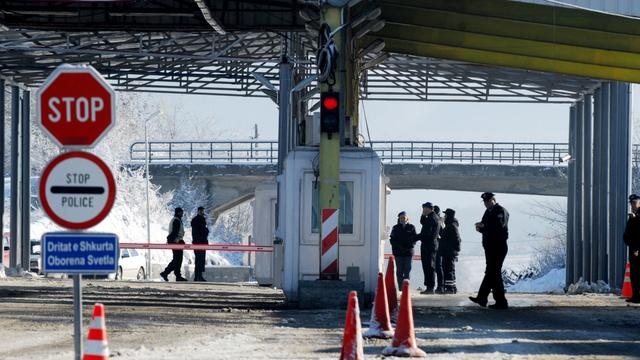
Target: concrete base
{"points": [[227, 274], [328, 294]]}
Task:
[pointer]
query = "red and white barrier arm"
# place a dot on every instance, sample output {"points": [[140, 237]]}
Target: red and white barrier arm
{"points": [[415, 257], [212, 247]]}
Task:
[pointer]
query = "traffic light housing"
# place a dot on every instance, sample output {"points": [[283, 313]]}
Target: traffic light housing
{"points": [[330, 112]]}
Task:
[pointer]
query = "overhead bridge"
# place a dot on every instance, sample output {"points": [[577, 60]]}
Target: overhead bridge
{"points": [[232, 169]]}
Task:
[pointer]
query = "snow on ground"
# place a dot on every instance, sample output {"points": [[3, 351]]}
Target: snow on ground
{"points": [[553, 282]]}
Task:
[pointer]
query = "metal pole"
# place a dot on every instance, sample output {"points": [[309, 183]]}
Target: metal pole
{"points": [[25, 181], [603, 264], [146, 158], [571, 198], [2, 120], [283, 111], [613, 192], [625, 177], [588, 178], [15, 132], [579, 224], [77, 316], [596, 222]]}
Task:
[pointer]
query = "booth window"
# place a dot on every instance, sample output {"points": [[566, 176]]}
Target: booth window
{"points": [[346, 208]]}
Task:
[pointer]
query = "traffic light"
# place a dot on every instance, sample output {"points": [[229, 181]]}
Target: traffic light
{"points": [[330, 112]]}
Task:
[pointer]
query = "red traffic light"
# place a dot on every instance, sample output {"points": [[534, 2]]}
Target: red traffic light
{"points": [[330, 103]]}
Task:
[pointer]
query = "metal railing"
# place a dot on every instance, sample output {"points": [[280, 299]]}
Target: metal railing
{"points": [[228, 152], [206, 151]]}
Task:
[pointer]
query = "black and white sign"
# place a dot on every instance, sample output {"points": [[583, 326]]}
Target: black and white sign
{"points": [[77, 190]]}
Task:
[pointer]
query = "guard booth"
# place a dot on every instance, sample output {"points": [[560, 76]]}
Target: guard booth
{"points": [[361, 221]]}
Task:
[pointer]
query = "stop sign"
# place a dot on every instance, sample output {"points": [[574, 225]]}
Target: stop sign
{"points": [[76, 106]]}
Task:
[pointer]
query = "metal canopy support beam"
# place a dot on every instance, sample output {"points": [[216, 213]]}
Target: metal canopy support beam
{"points": [[25, 181], [579, 220], [14, 216], [587, 120], [516, 35], [284, 112], [571, 197], [605, 181], [596, 190], [620, 150]]}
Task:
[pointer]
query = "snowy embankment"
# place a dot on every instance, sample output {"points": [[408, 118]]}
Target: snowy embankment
{"points": [[552, 282]]}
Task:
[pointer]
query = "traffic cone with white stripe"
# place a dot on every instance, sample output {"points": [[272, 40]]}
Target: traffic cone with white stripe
{"points": [[404, 340], [352, 343], [390, 281], [380, 324], [96, 347], [627, 291]]}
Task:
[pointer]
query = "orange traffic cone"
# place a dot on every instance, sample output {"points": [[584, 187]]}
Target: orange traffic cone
{"points": [[390, 281], [96, 347], [352, 348], [404, 340], [627, 291], [380, 324]]}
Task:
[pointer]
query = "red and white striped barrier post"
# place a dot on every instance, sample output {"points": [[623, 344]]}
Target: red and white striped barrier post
{"points": [[329, 245]]}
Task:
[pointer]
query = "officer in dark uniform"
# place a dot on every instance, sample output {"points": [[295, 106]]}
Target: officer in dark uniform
{"points": [[632, 239], [429, 245], [495, 232], [449, 250], [403, 238], [199, 232]]}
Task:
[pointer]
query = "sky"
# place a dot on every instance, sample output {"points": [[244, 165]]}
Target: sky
{"points": [[234, 118]]}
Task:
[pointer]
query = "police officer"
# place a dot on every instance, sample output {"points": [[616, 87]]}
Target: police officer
{"points": [[199, 231], [439, 267], [429, 245], [632, 239], [449, 248], [176, 236], [495, 232], [403, 238]]}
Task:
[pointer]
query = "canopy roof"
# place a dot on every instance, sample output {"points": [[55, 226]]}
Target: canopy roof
{"points": [[464, 50]]}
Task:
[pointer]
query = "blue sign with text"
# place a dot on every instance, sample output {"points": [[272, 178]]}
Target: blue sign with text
{"points": [[80, 253]]}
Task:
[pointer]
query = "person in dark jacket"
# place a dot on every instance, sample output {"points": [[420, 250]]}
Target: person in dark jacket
{"points": [[403, 238], [439, 268], [199, 232], [176, 236], [494, 228], [632, 239], [449, 249], [429, 245]]}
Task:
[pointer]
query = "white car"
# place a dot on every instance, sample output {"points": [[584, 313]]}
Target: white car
{"points": [[132, 265]]}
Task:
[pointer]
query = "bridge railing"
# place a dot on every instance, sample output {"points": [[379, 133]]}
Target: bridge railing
{"points": [[389, 151], [470, 152], [206, 151]]}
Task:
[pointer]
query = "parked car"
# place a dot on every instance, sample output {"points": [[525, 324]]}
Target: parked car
{"points": [[35, 259], [132, 265]]}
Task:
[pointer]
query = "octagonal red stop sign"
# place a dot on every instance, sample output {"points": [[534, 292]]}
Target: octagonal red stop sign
{"points": [[76, 106]]}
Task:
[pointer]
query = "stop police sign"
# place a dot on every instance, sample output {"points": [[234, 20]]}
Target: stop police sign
{"points": [[76, 106]]}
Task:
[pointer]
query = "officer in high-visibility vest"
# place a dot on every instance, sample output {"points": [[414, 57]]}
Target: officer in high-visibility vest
{"points": [[176, 236]]}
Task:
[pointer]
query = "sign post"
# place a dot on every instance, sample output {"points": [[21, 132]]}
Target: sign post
{"points": [[76, 108]]}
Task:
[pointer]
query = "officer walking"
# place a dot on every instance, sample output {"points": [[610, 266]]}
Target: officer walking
{"points": [[632, 239], [449, 249], [403, 238], [495, 232], [176, 236], [199, 231], [429, 245]]}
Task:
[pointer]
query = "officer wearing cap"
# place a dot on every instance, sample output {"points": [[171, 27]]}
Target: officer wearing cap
{"points": [[632, 239], [494, 228], [403, 238], [429, 245]]}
